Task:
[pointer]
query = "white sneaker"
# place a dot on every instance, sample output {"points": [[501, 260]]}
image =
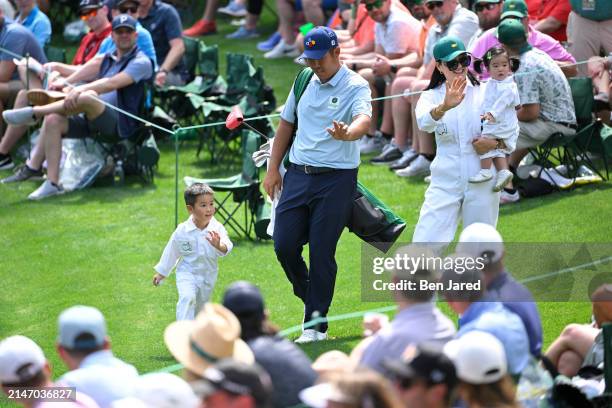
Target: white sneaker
{"points": [[46, 189], [310, 336], [503, 178], [482, 176], [419, 167], [372, 144], [282, 49], [506, 198], [427, 179]]}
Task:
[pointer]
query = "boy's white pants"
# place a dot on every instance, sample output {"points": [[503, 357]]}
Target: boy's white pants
{"points": [[194, 291]]}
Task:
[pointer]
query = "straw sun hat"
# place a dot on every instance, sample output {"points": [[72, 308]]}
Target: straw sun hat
{"points": [[211, 337]]}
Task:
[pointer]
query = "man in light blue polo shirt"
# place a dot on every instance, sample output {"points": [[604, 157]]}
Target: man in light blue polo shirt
{"points": [[84, 346], [318, 189], [34, 20], [477, 312], [143, 41]]}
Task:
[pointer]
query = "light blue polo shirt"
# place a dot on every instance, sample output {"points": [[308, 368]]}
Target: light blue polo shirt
{"points": [[38, 23], [144, 42], [342, 98]]}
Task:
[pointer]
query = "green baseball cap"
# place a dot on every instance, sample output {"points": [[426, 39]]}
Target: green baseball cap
{"points": [[514, 8], [448, 48], [512, 33]]}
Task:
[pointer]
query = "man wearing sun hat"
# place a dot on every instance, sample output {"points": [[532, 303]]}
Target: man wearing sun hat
{"points": [[517, 9], [24, 365], [321, 180], [213, 336], [547, 106]]}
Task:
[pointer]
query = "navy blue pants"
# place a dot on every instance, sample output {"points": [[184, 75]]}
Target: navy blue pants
{"points": [[313, 209]]}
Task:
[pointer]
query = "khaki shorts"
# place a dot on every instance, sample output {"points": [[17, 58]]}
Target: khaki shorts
{"points": [[535, 133]]}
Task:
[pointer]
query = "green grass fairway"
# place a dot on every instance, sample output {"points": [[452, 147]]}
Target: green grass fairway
{"points": [[97, 247]]}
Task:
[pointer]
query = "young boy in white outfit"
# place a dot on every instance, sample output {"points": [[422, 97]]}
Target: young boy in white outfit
{"points": [[197, 242], [499, 107]]}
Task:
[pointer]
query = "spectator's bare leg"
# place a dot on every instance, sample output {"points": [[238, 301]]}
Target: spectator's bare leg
{"points": [[387, 122], [576, 339], [210, 10], [14, 133], [286, 14], [54, 126], [425, 140], [369, 76], [401, 107], [313, 12]]}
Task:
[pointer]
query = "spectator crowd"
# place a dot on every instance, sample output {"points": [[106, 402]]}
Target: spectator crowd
{"points": [[232, 353]]}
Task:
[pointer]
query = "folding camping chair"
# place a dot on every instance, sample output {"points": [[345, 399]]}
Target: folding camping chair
{"points": [[560, 149], [55, 54], [245, 87], [242, 188]]}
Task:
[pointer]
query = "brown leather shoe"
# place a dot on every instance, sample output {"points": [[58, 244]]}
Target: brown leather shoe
{"points": [[39, 97]]}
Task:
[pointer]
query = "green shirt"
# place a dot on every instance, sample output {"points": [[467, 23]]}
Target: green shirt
{"points": [[597, 10]]}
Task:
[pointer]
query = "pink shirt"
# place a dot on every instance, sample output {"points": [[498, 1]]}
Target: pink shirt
{"points": [[541, 41]]}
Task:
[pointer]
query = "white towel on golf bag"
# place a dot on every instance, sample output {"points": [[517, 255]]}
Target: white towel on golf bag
{"points": [[282, 172]]}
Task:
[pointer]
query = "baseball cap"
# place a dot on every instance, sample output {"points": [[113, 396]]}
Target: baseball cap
{"points": [[88, 5], [318, 42], [479, 357], [448, 48], [240, 379], [124, 20], [512, 33], [244, 298], [425, 362], [78, 321], [514, 8], [481, 240], [165, 390], [20, 359]]}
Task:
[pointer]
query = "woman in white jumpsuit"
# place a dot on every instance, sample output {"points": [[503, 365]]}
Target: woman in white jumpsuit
{"points": [[450, 107]]}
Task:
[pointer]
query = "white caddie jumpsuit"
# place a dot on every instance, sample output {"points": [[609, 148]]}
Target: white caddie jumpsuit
{"points": [[195, 260], [450, 195]]}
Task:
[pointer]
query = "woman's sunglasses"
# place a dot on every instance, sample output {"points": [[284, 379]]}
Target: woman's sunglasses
{"points": [[463, 60], [125, 10], [487, 6], [433, 4], [88, 15], [374, 5]]}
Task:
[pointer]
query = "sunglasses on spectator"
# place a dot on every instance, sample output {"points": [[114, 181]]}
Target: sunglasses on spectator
{"points": [[90, 14], [487, 6], [433, 4], [125, 10], [374, 5], [464, 60]]}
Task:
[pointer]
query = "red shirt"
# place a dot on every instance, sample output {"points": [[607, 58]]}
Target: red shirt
{"points": [[533, 7], [559, 10], [90, 44]]}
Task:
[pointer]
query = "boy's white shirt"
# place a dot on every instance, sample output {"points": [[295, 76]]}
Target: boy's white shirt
{"points": [[189, 250]]}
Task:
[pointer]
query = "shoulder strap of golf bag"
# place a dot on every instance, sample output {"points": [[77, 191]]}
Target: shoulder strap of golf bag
{"points": [[299, 87]]}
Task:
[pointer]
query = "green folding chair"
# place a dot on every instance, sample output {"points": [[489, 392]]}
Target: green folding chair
{"points": [[242, 190], [55, 54], [560, 149]]}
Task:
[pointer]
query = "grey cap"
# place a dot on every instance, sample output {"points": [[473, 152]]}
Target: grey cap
{"points": [[81, 321]]}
